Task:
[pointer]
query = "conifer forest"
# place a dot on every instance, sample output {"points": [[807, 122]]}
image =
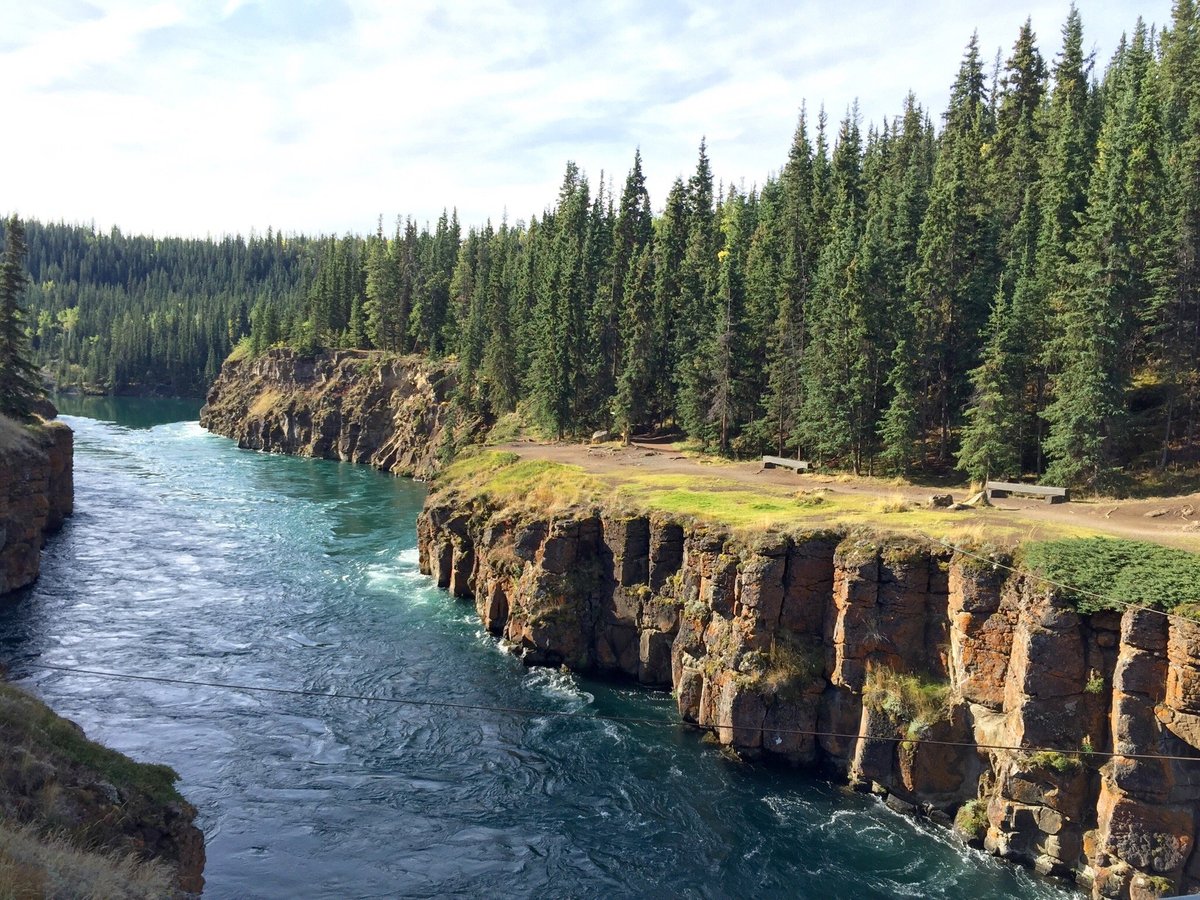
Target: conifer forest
{"points": [[1009, 287]]}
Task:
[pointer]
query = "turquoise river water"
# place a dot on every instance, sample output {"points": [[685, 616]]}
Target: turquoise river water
{"points": [[188, 558]]}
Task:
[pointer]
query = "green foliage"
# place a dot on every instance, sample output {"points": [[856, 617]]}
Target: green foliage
{"points": [[898, 298], [907, 698], [971, 819], [24, 722], [1063, 763], [19, 382], [1125, 571]]}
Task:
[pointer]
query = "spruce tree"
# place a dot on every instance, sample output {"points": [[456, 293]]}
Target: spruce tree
{"points": [[836, 423], [1119, 274], [951, 288], [697, 305], [669, 247], [798, 249], [988, 449], [20, 386], [1177, 319], [630, 406]]}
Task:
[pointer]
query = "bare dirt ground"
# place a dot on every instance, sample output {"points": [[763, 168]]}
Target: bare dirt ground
{"points": [[1169, 520]]}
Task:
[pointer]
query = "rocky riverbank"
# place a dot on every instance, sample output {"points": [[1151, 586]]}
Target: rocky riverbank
{"points": [[387, 411], [840, 649], [76, 819], [79, 819], [36, 495]]}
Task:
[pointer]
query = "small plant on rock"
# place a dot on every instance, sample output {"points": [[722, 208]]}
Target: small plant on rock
{"points": [[971, 819], [1059, 762]]}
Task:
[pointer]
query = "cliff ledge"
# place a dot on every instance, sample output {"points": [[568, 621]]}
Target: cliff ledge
{"points": [[36, 494], [387, 411]]}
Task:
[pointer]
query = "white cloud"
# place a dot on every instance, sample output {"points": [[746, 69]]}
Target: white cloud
{"points": [[189, 117]]}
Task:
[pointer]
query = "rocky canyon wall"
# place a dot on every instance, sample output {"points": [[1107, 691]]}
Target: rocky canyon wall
{"points": [[36, 495], [843, 651], [386, 411]]}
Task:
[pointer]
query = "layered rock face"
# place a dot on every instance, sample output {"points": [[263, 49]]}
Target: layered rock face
{"points": [[36, 494], [811, 648], [386, 411]]}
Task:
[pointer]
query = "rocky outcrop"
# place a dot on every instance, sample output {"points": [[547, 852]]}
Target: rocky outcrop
{"points": [[65, 788], [387, 411], [956, 689], [36, 495]]}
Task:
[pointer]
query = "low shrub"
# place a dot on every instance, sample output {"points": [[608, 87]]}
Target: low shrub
{"points": [[909, 698], [971, 819], [1122, 571], [1059, 762]]}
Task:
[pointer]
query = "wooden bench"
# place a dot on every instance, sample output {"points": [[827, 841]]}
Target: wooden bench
{"points": [[1049, 494], [770, 462]]}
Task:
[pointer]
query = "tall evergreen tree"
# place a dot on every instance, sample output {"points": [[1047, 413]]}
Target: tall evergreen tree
{"points": [[951, 288], [1176, 321], [631, 404], [836, 423], [1119, 274], [697, 303], [19, 382]]}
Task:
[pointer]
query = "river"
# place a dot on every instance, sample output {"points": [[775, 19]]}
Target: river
{"points": [[190, 559]]}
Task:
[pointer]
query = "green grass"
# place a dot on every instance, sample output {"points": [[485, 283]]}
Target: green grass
{"points": [[535, 484], [241, 350], [541, 485], [1125, 571], [919, 701], [26, 723], [971, 819]]}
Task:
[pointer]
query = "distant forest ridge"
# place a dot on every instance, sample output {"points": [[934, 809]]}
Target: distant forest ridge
{"points": [[1017, 293]]}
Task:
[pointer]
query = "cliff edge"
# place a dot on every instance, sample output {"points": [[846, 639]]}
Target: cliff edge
{"points": [[76, 819], [79, 819], [387, 411], [956, 688], [36, 494]]}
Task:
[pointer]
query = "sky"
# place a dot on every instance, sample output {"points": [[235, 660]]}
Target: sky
{"points": [[212, 117]]}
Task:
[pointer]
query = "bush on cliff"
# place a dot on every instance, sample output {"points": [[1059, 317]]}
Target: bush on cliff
{"points": [[906, 698], [1121, 571]]}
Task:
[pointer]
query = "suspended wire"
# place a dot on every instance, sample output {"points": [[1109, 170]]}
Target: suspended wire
{"points": [[567, 714]]}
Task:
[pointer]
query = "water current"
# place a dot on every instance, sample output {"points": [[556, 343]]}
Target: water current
{"points": [[188, 558]]}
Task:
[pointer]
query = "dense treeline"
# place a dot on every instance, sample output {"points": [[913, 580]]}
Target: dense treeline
{"points": [[1017, 292], [132, 313]]}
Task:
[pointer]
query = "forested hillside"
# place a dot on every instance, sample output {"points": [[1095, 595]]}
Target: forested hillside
{"points": [[1014, 291], [130, 313]]}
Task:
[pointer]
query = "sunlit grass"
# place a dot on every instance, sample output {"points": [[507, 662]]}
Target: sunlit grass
{"points": [[542, 486], [14, 435]]}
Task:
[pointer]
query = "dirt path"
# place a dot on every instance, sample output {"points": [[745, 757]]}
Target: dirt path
{"points": [[1172, 520]]}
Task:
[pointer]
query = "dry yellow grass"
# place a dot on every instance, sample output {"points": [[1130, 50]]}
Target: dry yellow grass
{"points": [[14, 435], [265, 402], [36, 865]]}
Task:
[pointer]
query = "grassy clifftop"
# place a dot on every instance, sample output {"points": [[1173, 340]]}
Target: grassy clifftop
{"points": [[1074, 554], [509, 480], [80, 820]]}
